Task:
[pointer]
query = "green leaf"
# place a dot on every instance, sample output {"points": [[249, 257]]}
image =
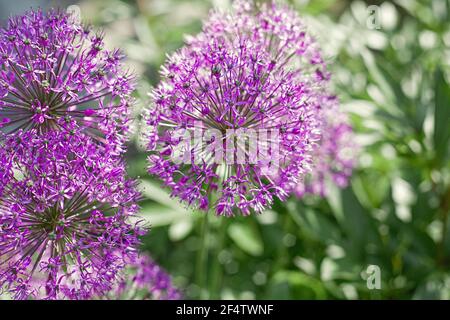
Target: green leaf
{"points": [[158, 215], [246, 238], [357, 224], [300, 285], [316, 7], [379, 78], [180, 229], [315, 224], [441, 116], [335, 200], [154, 192], [367, 195]]}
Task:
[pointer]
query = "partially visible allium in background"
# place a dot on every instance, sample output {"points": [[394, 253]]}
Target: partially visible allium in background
{"points": [[52, 68], [254, 71], [67, 223], [334, 156], [144, 279]]}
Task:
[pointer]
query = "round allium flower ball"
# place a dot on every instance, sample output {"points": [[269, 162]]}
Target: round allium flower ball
{"points": [[237, 114], [67, 223], [144, 279], [335, 154], [52, 67]]}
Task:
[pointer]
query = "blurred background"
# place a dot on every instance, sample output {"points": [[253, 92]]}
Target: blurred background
{"points": [[391, 71]]}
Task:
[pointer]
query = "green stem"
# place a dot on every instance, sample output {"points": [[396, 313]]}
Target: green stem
{"points": [[445, 208], [279, 259], [282, 253], [217, 269], [202, 259]]}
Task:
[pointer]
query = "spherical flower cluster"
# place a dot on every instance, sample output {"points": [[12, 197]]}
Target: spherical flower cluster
{"points": [[65, 216], [52, 68], [145, 280], [334, 156], [66, 208], [256, 73]]}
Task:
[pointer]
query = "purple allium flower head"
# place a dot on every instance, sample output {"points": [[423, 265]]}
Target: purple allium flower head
{"points": [[335, 154], [66, 215], [51, 68], [145, 280], [253, 73]]}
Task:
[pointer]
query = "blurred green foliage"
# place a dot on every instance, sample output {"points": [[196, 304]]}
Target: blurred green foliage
{"points": [[394, 82]]}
